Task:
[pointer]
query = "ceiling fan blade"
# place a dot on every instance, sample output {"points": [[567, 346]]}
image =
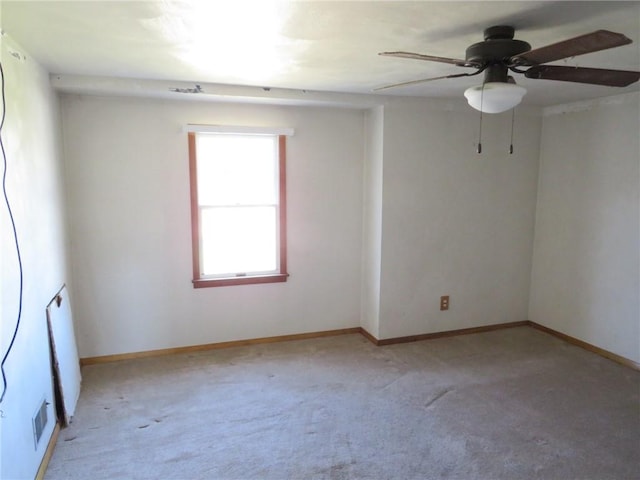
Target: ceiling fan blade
{"points": [[594, 76], [430, 58], [424, 80], [591, 42]]}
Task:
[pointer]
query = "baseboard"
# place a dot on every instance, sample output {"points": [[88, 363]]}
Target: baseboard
{"points": [[368, 336], [378, 342], [447, 333], [215, 346], [587, 346], [42, 469]]}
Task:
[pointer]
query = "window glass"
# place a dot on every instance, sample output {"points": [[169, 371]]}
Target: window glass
{"points": [[238, 240], [237, 169]]}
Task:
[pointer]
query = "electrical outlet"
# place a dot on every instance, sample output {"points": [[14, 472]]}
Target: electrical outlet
{"points": [[444, 302]]}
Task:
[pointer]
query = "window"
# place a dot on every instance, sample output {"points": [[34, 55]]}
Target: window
{"points": [[238, 206]]}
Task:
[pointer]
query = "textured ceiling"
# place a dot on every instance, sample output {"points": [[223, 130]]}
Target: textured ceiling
{"points": [[309, 45]]}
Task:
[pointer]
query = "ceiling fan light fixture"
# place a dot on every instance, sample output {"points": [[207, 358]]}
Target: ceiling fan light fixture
{"points": [[495, 97]]}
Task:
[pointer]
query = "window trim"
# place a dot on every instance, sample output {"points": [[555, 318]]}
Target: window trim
{"points": [[198, 281]]}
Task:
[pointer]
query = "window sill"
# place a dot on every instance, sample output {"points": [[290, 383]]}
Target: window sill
{"points": [[228, 281]]}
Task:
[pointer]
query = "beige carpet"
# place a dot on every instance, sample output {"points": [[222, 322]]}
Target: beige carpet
{"points": [[509, 404]]}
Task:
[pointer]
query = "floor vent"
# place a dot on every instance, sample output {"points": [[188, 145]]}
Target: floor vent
{"points": [[39, 422]]}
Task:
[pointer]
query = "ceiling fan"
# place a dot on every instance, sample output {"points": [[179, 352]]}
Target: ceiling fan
{"points": [[500, 54]]}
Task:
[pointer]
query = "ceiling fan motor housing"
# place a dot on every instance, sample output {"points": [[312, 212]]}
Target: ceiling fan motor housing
{"points": [[495, 51]]}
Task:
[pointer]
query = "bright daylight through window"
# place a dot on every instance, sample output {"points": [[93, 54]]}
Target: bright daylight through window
{"points": [[238, 208]]}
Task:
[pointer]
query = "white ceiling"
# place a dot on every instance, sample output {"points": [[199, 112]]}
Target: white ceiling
{"points": [[309, 45]]}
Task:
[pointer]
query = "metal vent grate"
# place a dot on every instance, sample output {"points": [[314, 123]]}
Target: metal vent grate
{"points": [[39, 422]]}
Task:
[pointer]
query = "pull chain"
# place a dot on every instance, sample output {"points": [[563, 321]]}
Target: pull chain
{"points": [[513, 117], [479, 150]]}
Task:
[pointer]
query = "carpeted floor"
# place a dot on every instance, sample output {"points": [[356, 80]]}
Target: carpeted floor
{"points": [[508, 404]]}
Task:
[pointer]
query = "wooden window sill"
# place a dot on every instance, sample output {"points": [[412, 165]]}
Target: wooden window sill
{"points": [[228, 281]]}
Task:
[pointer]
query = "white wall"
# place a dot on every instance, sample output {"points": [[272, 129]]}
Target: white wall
{"points": [[35, 189], [454, 222], [130, 229], [372, 221], [433, 218], [586, 269], [389, 210]]}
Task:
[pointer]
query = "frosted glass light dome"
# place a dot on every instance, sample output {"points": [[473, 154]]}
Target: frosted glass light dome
{"points": [[497, 96]]}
